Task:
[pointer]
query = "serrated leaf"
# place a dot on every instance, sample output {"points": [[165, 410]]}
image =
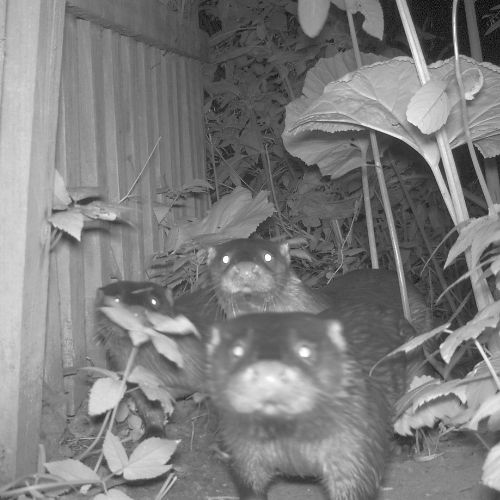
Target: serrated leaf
{"points": [[428, 391], [114, 452], [142, 376], [491, 468], [312, 15], [477, 235], [487, 408], [161, 395], [127, 317], [168, 348], [179, 325], [329, 69], [235, 215], [487, 317], [446, 409], [60, 196], [148, 459], [72, 470], [113, 494], [139, 337], [478, 390], [464, 240], [105, 394], [419, 340], [428, 108], [153, 387], [70, 221]]}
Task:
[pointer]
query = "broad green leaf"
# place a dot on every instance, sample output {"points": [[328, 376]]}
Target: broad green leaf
{"points": [[428, 108], [312, 15], [376, 97], [148, 459], [105, 394], [491, 468], [488, 408], [487, 317], [114, 452], [70, 221], [72, 470]]}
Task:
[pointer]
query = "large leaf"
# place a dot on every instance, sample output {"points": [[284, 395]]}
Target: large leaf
{"points": [[377, 96], [235, 215], [487, 317]]}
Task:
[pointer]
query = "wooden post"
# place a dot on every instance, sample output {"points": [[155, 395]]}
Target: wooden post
{"points": [[31, 34]]}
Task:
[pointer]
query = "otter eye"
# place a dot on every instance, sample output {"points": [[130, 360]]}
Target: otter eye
{"points": [[238, 350], [155, 302], [268, 257], [225, 259], [304, 351], [116, 299]]}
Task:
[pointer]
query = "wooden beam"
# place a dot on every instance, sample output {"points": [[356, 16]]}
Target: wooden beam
{"points": [[147, 21], [31, 34]]}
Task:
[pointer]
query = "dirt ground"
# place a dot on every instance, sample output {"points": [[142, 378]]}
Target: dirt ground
{"points": [[454, 472]]}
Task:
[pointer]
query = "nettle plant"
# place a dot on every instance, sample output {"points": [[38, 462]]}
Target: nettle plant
{"points": [[150, 457], [344, 109]]}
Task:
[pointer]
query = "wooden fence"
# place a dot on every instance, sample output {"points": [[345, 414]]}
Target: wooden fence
{"points": [[130, 76]]}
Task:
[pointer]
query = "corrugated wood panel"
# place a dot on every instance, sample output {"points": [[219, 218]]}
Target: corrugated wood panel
{"points": [[119, 97], [31, 33]]}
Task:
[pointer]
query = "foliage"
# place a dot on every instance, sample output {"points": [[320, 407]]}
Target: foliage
{"points": [[254, 71], [149, 458], [72, 209], [235, 215]]}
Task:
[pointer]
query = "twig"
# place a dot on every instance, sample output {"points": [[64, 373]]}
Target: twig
{"points": [[141, 172]]}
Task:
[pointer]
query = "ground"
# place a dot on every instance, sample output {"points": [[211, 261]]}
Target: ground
{"points": [[452, 472]]}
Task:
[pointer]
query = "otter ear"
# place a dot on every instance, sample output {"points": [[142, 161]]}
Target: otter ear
{"points": [[285, 252], [214, 339], [335, 332]]}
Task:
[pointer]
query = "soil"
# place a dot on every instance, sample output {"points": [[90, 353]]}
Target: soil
{"points": [[452, 471]]}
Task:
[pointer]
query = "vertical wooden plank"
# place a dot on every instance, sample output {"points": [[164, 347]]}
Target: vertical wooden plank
{"points": [[169, 81], [90, 174], [108, 265], [166, 157], [152, 135], [115, 243], [69, 253], [188, 127], [143, 151], [163, 177], [132, 247], [199, 130], [28, 120]]}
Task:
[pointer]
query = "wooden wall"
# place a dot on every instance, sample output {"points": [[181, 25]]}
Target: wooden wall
{"points": [[130, 78]]}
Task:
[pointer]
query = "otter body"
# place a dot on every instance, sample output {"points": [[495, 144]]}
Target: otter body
{"points": [[256, 276], [294, 400], [137, 296]]}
